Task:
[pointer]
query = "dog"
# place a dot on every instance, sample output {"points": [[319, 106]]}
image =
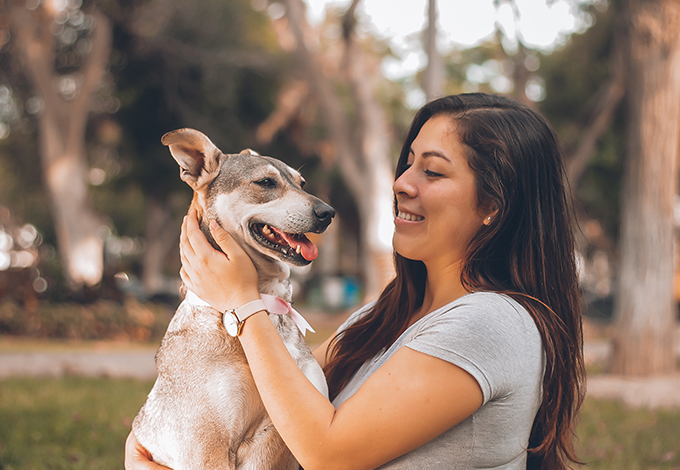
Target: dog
{"points": [[204, 411]]}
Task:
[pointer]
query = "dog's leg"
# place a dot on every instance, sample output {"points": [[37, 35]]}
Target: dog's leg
{"points": [[298, 349]]}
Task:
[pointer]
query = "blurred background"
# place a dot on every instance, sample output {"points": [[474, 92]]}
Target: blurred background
{"points": [[91, 203]]}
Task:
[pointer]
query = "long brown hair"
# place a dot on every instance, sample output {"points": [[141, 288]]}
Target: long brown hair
{"points": [[527, 252]]}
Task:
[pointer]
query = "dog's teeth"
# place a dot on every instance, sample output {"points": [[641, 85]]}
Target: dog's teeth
{"points": [[298, 249], [266, 230]]}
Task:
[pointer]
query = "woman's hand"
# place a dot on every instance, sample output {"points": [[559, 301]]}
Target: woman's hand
{"points": [[224, 280], [137, 457]]}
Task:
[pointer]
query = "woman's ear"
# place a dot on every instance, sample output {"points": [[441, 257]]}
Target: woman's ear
{"points": [[490, 216]]}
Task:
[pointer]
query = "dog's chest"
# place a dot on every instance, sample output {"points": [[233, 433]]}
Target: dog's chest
{"points": [[196, 337], [205, 402], [200, 368]]}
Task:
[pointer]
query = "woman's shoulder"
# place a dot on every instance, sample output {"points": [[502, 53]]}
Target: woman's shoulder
{"points": [[488, 334], [485, 318], [487, 303], [489, 297]]}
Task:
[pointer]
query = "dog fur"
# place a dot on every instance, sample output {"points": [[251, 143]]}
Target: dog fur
{"points": [[204, 411]]}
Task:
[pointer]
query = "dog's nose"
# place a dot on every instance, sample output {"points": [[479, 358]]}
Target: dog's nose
{"points": [[324, 212]]}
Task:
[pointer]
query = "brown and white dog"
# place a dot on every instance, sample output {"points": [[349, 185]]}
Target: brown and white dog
{"points": [[204, 411]]}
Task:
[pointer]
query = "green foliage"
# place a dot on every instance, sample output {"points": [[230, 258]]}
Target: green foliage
{"points": [[573, 75], [21, 187], [599, 189], [97, 321], [459, 61], [68, 423], [124, 207], [612, 436]]}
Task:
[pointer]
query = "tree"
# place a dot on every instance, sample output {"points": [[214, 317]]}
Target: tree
{"points": [[433, 75], [65, 101], [360, 147], [644, 308]]}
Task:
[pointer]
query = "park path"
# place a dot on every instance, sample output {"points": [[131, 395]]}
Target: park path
{"points": [[118, 363], [137, 362]]}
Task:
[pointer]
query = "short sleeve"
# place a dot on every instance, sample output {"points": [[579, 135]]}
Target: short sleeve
{"points": [[488, 335]]}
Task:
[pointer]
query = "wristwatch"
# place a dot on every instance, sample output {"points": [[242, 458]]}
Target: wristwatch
{"points": [[234, 318]]}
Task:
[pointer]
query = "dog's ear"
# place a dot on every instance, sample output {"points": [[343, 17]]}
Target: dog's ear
{"points": [[250, 152], [199, 159]]}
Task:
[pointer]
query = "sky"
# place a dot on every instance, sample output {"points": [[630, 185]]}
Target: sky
{"points": [[542, 24]]}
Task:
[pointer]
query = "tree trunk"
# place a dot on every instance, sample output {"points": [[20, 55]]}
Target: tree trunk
{"points": [[77, 227], [645, 310], [62, 124], [433, 76], [161, 235]]}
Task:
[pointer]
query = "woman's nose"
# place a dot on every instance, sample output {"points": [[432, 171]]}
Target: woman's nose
{"points": [[404, 184]]}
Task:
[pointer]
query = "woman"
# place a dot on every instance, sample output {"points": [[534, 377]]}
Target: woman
{"points": [[472, 355]]}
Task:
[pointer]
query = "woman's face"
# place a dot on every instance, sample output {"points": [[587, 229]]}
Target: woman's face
{"points": [[436, 197]]}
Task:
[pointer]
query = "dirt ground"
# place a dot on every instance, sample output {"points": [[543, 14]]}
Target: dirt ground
{"points": [[649, 392]]}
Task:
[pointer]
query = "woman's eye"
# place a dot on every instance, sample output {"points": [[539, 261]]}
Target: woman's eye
{"points": [[432, 173], [266, 183]]}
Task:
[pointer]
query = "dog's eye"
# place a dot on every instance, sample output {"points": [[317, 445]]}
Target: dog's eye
{"points": [[266, 183], [302, 183]]}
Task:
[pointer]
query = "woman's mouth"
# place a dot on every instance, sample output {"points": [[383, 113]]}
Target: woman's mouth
{"points": [[409, 217]]}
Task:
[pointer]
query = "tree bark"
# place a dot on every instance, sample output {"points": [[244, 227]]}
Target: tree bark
{"points": [[62, 124], [433, 76], [645, 309]]}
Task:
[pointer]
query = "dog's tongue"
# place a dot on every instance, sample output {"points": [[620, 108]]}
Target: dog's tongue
{"points": [[308, 250]]}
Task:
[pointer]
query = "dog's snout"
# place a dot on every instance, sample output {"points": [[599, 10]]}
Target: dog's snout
{"points": [[324, 212]]}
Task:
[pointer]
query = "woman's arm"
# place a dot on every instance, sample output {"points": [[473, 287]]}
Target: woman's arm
{"points": [[411, 399]]}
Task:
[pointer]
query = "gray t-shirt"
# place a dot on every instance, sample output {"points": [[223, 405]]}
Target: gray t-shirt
{"points": [[493, 338]]}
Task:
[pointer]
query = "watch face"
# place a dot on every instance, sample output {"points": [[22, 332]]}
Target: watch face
{"points": [[231, 323]]}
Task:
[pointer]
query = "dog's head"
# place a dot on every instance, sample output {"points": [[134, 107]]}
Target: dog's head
{"points": [[259, 200]]}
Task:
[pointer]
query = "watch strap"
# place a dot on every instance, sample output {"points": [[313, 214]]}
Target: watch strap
{"points": [[251, 308]]}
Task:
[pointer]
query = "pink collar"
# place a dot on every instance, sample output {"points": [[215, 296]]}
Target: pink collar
{"points": [[279, 306]]}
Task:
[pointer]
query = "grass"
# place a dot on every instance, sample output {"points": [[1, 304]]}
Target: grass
{"points": [[68, 423], [612, 436], [81, 423]]}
